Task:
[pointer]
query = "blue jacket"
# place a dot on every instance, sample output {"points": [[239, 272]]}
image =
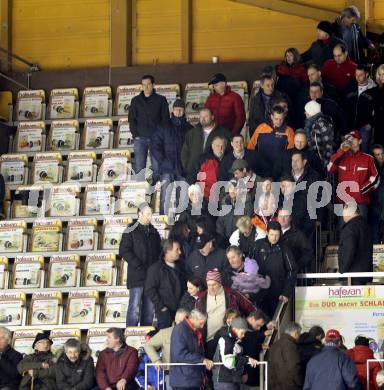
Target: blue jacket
{"points": [[151, 374], [186, 349], [331, 369], [166, 145]]}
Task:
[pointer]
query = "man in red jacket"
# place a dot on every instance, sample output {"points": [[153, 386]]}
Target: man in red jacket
{"points": [[352, 165], [226, 105], [341, 70], [117, 364]]}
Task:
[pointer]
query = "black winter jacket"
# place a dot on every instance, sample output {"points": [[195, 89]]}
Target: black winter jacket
{"points": [[166, 145], [140, 248], [199, 265], [277, 262], [76, 376], [9, 376], [147, 113], [319, 52], [308, 348], [165, 285], [355, 246], [300, 246]]}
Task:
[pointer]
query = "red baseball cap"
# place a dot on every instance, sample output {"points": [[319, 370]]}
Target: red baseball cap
{"points": [[332, 334], [354, 134]]}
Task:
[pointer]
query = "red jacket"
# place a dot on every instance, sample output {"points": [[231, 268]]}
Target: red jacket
{"points": [[297, 71], [228, 110], [112, 366], [339, 75], [357, 167], [233, 300], [360, 354]]}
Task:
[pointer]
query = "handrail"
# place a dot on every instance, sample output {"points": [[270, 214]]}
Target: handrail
{"points": [[338, 275], [188, 364], [367, 363], [33, 67], [12, 80]]}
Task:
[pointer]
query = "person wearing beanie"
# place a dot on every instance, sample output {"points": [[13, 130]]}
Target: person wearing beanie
{"points": [[360, 354], [215, 301], [320, 131], [229, 351], [166, 144], [331, 364], [226, 105], [321, 50], [38, 369]]}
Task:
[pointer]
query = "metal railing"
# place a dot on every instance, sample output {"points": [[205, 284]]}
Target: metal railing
{"points": [[338, 275], [372, 361], [264, 364]]}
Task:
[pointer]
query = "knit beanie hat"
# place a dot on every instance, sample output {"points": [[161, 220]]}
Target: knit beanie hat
{"points": [[312, 108], [325, 26], [214, 274], [41, 336]]}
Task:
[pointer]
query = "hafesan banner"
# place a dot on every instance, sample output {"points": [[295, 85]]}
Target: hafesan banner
{"points": [[353, 310]]}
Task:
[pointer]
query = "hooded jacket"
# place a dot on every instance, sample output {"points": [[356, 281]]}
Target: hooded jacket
{"points": [[115, 365], [75, 376], [166, 145], [44, 378], [228, 109], [309, 346], [360, 354]]}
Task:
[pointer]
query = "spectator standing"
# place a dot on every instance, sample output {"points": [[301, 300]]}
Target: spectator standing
{"points": [[341, 70], [38, 369], [147, 111], [272, 138], [320, 131], [140, 248], [379, 106], [310, 344], [284, 368], [331, 367], [376, 208], [291, 66], [199, 139], [9, 359], [230, 352], [260, 105], [226, 105], [187, 346], [276, 261], [322, 49], [74, 367], [194, 286], [360, 354], [117, 364], [166, 145], [355, 251], [165, 284], [352, 165], [346, 27]]}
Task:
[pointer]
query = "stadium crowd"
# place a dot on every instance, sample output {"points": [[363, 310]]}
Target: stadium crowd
{"points": [[314, 148]]}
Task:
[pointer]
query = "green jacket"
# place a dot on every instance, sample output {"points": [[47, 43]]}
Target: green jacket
{"points": [[194, 142], [44, 379]]}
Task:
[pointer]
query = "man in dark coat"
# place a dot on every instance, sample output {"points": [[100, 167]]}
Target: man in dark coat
{"points": [[165, 284], [9, 359], [260, 106], [199, 139], [276, 261], [166, 145], [355, 247], [310, 344], [74, 367], [140, 247], [284, 368], [146, 112], [187, 346], [226, 105], [117, 364], [297, 242], [322, 49], [331, 368]]}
